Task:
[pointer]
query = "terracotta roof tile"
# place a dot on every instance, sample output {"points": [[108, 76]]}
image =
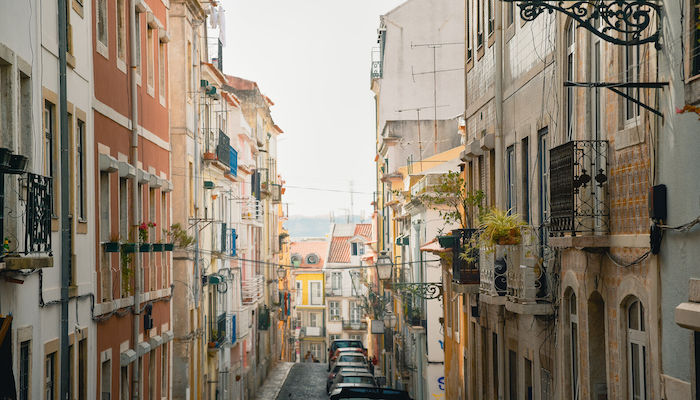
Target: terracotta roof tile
{"points": [[340, 250], [364, 230], [306, 247]]}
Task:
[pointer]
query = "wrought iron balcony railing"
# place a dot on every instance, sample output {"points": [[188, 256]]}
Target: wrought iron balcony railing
{"points": [[493, 272], [377, 69], [331, 291], [252, 289], [465, 270], [313, 331], [578, 187], [252, 209]]}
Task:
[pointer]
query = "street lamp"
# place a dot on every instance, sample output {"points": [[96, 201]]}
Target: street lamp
{"points": [[281, 273], [384, 266], [390, 320]]}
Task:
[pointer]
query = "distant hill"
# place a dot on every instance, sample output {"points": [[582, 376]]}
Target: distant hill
{"points": [[318, 226]]}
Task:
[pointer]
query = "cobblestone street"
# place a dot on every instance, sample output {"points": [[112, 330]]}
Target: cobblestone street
{"points": [[306, 381]]}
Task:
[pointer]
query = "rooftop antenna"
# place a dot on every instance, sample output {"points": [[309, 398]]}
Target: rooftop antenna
{"points": [[434, 46]]}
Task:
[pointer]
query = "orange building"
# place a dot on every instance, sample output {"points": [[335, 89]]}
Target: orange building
{"points": [[133, 282]]}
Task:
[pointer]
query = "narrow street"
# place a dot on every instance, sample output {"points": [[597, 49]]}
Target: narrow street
{"points": [[306, 381]]}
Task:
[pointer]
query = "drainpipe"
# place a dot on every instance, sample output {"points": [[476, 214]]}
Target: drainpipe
{"points": [[498, 66], [65, 190], [197, 276], [135, 209]]}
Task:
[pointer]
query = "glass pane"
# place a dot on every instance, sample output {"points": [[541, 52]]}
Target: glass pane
{"points": [[633, 315], [641, 316], [572, 304], [634, 350]]}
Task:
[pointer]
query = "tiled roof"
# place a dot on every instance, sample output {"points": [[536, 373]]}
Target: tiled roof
{"points": [[306, 247], [364, 230], [340, 250], [240, 83]]}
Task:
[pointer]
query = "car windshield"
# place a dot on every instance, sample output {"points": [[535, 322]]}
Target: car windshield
{"points": [[349, 343], [358, 379], [351, 358]]}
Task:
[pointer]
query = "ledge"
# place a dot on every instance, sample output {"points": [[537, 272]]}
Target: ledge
{"points": [[465, 288], [494, 300], [17, 263], [530, 309], [635, 241]]}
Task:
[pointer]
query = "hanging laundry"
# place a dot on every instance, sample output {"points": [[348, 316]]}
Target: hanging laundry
{"points": [[213, 17], [222, 25]]}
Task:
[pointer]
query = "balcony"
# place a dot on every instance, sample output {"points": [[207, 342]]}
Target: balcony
{"points": [[578, 188], [218, 149], [465, 271], [252, 289], [334, 292], [276, 193], [493, 274], [252, 210], [313, 331], [377, 70], [29, 246], [354, 325]]}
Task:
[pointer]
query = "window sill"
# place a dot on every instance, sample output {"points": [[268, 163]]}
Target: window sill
{"points": [[470, 64], [491, 39], [479, 52], [102, 49], [510, 32], [151, 91], [79, 8], [70, 60], [121, 65], [692, 90]]}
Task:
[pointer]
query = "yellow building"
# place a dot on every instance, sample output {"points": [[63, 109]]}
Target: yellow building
{"points": [[308, 258]]}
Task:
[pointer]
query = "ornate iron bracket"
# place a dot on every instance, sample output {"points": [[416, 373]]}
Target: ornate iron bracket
{"points": [[621, 22], [427, 291], [615, 88]]}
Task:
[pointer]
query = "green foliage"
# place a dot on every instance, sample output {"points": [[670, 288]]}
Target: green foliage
{"points": [[496, 227], [178, 236], [126, 271], [453, 201]]}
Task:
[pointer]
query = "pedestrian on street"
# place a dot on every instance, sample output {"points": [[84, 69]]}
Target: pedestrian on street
{"points": [[308, 356]]}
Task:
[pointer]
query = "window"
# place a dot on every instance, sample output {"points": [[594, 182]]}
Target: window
{"points": [[355, 281], [510, 14], [468, 31], [48, 147], [636, 351], [149, 57], [512, 176], [316, 350], [456, 314], [355, 246], [631, 72], [123, 208], [298, 294], [190, 74], [161, 69], [543, 167], [479, 25], [334, 310], [191, 188], [485, 363], [333, 337], [525, 171], [106, 379], [355, 337], [164, 370], [82, 369], [355, 312], [80, 188], [694, 47], [315, 295], [573, 345], [137, 28], [152, 375], [570, 68], [529, 394], [494, 363], [25, 354], [313, 320], [102, 27], [69, 32], [121, 30], [105, 233], [124, 383], [512, 375], [50, 377], [491, 21], [336, 280]]}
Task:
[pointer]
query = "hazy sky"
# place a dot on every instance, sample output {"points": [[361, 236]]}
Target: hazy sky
{"points": [[312, 58]]}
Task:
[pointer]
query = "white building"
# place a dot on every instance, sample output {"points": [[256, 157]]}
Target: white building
{"points": [[30, 264], [349, 243]]}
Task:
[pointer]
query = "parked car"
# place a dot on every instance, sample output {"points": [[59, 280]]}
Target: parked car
{"points": [[345, 376], [345, 351], [344, 343], [347, 371], [357, 392], [342, 365]]}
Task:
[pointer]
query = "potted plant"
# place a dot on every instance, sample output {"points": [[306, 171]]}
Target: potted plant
{"points": [[177, 237], [18, 162], [157, 247], [501, 231], [112, 246], [144, 227], [455, 205], [5, 157]]}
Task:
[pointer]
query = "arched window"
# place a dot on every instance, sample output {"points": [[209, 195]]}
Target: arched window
{"points": [[570, 74], [637, 343], [572, 328]]}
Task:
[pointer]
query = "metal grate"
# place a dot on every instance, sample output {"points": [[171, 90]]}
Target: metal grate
{"points": [[38, 214], [578, 182]]}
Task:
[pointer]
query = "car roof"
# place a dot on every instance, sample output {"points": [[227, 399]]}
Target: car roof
{"points": [[349, 349], [342, 385], [350, 392], [345, 372], [349, 370], [342, 364]]}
